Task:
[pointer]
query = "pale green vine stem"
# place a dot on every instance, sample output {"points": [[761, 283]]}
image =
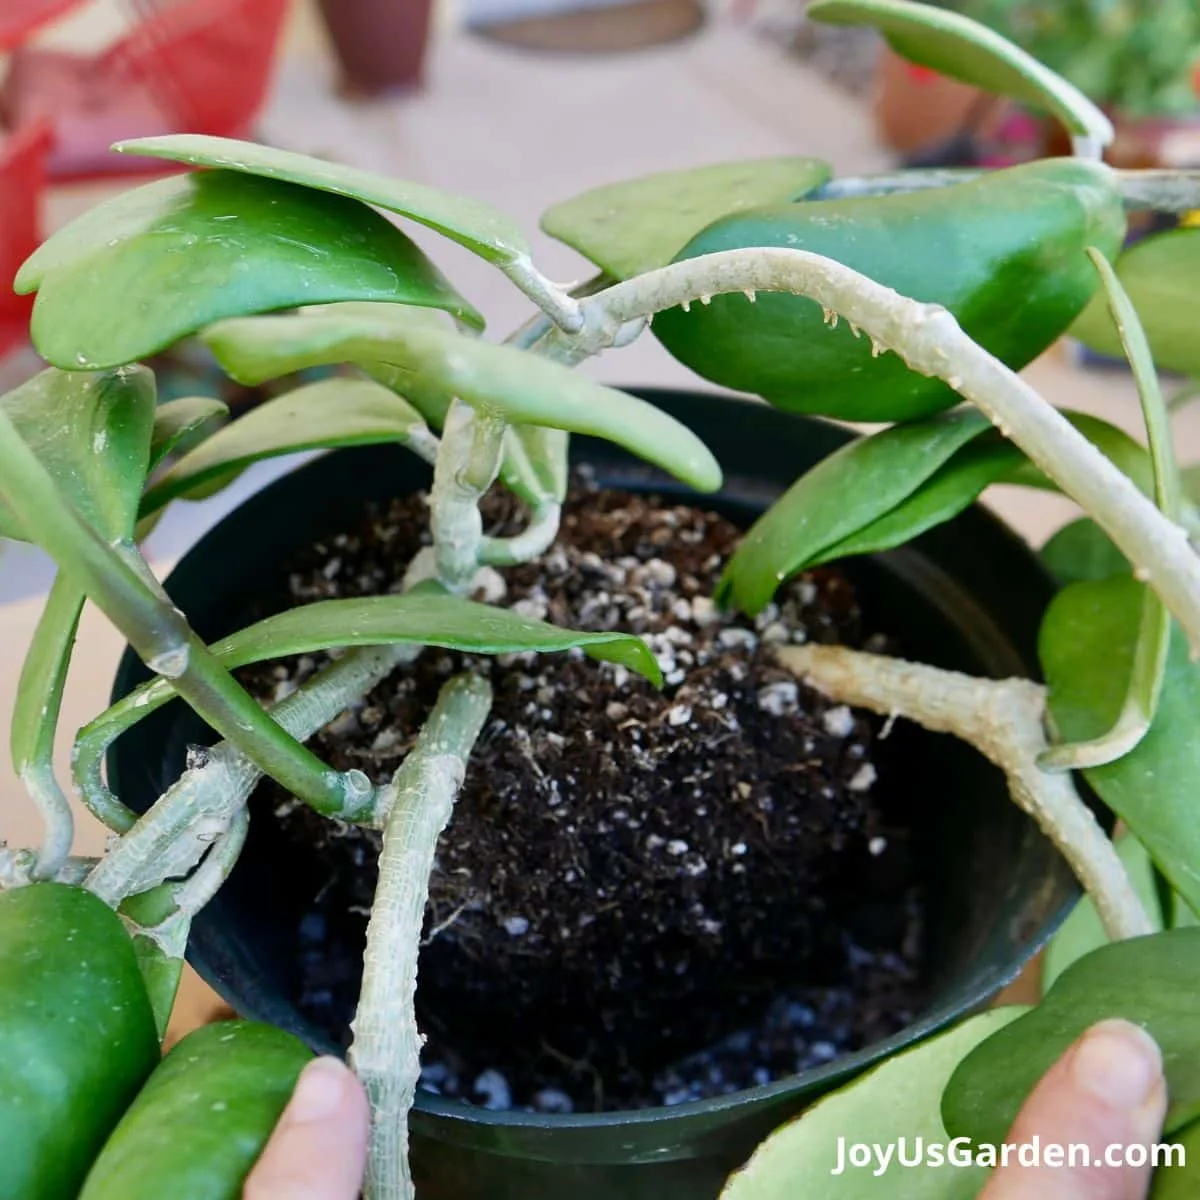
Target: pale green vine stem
{"points": [[535, 539], [467, 465], [415, 807], [556, 302], [35, 720], [1165, 191], [1004, 721], [930, 341], [200, 806], [17, 868], [159, 632]]}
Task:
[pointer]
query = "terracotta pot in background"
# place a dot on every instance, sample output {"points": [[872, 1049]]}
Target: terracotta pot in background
{"points": [[380, 44], [916, 108]]}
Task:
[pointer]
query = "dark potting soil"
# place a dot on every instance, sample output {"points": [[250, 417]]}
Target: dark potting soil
{"points": [[643, 896]]}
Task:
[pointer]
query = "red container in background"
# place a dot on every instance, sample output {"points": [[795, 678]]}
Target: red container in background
{"points": [[184, 66], [20, 18], [22, 176]]}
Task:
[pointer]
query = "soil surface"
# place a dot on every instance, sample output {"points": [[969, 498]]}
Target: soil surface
{"points": [[643, 896]]}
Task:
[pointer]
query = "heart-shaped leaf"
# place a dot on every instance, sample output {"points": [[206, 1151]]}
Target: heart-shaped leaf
{"points": [[482, 229], [966, 50], [897, 1103], [1086, 645], [419, 617], [636, 226], [504, 382], [1159, 273], [1152, 981], [153, 265], [176, 419], [1081, 551], [333, 412], [1082, 932], [881, 491], [92, 434]]}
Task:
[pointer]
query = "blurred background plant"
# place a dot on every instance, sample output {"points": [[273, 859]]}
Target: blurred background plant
{"points": [[1136, 57]]}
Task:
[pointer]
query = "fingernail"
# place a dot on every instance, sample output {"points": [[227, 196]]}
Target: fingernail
{"points": [[319, 1090], [1119, 1063]]}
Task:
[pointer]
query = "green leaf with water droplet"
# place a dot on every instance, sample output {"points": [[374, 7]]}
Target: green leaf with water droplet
{"points": [[483, 229], [92, 434], [156, 264]]}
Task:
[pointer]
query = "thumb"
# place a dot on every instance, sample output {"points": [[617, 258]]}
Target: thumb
{"points": [[1106, 1093], [319, 1148]]}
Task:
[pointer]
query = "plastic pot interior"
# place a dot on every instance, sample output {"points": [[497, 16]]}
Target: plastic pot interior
{"points": [[968, 596]]}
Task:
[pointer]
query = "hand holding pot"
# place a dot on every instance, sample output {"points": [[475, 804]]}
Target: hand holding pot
{"points": [[1106, 1091], [319, 1148]]}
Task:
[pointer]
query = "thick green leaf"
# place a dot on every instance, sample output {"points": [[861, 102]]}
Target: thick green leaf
{"points": [[485, 230], [176, 419], [1086, 645], [898, 1100], [1082, 932], [1159, 273], [504, 382], [333, 412], [846, 492], [942, 496], [158, 263], [636, 226], [92, 434], [1082, 551], [1152, 981], [882, 490], [966, 50], [423, 618]]}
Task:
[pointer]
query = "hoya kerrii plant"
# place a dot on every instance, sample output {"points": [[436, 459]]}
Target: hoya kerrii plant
{"points": [[893, 299]]}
